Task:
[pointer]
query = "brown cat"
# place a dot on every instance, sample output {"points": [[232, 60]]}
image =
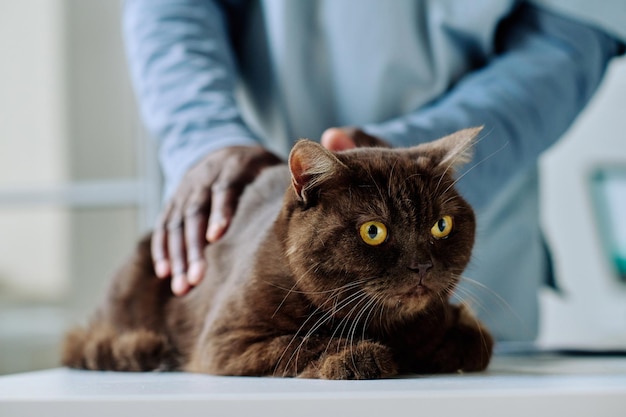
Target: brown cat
{"points": [[347, 275]]}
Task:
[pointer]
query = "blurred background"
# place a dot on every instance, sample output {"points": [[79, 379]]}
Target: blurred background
{"points": [[79, 183]]}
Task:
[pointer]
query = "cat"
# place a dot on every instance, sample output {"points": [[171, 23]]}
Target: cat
{"points": [[345, 275]]}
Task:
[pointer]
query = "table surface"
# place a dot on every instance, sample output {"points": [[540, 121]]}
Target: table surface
{"points": [[514, 385]]}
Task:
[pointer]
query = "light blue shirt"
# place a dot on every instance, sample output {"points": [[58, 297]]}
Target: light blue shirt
{"points": [[212, 74]]}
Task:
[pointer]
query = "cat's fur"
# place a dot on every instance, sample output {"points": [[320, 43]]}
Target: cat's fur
{"points": [[293, 290]]}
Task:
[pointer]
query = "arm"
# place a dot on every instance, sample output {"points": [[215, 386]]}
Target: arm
{"points": [[546, 70], [185, 76]]}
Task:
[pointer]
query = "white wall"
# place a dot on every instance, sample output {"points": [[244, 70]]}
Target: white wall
{"points": [[592, 307], [33, 146], [76, 178]]}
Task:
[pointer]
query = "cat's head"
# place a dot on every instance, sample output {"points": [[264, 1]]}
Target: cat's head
{"points": [[383, 228]]}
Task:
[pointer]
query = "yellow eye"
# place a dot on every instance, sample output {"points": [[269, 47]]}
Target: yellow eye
{"points": [[442, 228], [373, 233]]}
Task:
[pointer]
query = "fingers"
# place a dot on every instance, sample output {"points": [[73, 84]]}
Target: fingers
{"points": [[223, 205], [180, 285], [158, 247], [201, 211], [196, 220], [343, 138], [336, 139], [362, 139], [178, 242], [187, 234], [177, 252]]}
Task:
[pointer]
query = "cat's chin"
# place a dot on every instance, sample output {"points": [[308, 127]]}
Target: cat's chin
{"points": [[411, 300]]}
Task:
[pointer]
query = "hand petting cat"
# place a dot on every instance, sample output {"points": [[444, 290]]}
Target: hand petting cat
{"points": [[201, 210], [203, 206]]}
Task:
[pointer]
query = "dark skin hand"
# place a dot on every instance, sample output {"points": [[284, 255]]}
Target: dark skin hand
{"points": [[203, 206], [200, 212]]}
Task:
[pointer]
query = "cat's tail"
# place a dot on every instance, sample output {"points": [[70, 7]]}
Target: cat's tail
{"points": [[101, 347]]}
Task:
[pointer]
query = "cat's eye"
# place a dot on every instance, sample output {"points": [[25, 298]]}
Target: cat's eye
{"points": [[373, 233], [442, 228]]}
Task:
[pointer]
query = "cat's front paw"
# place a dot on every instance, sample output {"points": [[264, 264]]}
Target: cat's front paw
{"points": [[476, 339], [365, 360], [468, 346]]}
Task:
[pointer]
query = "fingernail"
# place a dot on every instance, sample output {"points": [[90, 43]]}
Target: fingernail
{"points": [[335, 139], [196, 272], [179, 284], [161, 268], [215, 231]]}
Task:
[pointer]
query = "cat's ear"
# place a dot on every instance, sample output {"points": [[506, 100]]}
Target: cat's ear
{"points": [[311, 164], [452, 151]]}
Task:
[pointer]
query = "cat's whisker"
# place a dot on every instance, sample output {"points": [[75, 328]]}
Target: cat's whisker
{"points": [[348, 319], [372, 307], [289, 291], [454, 197], [376, 303], [292, 289], [375, 184], [355, 323], [350, 335], [320, 322], [441, 177], [390, 180], [410, 176], [332, 336], [306, 292], [504, 305], [383, 324], [344, 323], [465, 295], [353, 326], [361, 296], [441, 299], [294, 337]]}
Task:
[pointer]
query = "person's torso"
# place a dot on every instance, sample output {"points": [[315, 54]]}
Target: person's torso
{"points": [[311, 65]]}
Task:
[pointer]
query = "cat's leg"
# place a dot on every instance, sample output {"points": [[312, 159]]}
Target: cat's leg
{"points": [[466, 346], [128, 331], [102, 347], [363, 360], [339, 358], [296, 356]]}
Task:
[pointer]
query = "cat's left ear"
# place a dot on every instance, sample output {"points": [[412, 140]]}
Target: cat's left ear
{"points": [[452, 151], [311, 165]]}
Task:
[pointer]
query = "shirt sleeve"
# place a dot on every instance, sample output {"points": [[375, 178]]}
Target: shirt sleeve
{"points": [[184, 75], [545, 70]]}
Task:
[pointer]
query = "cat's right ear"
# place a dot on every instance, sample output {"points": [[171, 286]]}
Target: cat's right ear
{"points": [[452, 151], [311, 165]]}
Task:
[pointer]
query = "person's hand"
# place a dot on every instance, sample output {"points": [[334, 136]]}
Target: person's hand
{"points": [[201, 210], [343, 138]]}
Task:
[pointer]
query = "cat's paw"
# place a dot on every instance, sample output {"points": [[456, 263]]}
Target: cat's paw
{"points": [[98, 351], [475, 341], [468, 345], [101, 347], [73, 348], [142, 350], [365, 360]]}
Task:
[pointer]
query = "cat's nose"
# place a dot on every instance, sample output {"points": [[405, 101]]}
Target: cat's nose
{"points": [[421, 268]]}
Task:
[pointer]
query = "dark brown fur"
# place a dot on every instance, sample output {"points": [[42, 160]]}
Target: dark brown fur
{"points": [[292, 289]]}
